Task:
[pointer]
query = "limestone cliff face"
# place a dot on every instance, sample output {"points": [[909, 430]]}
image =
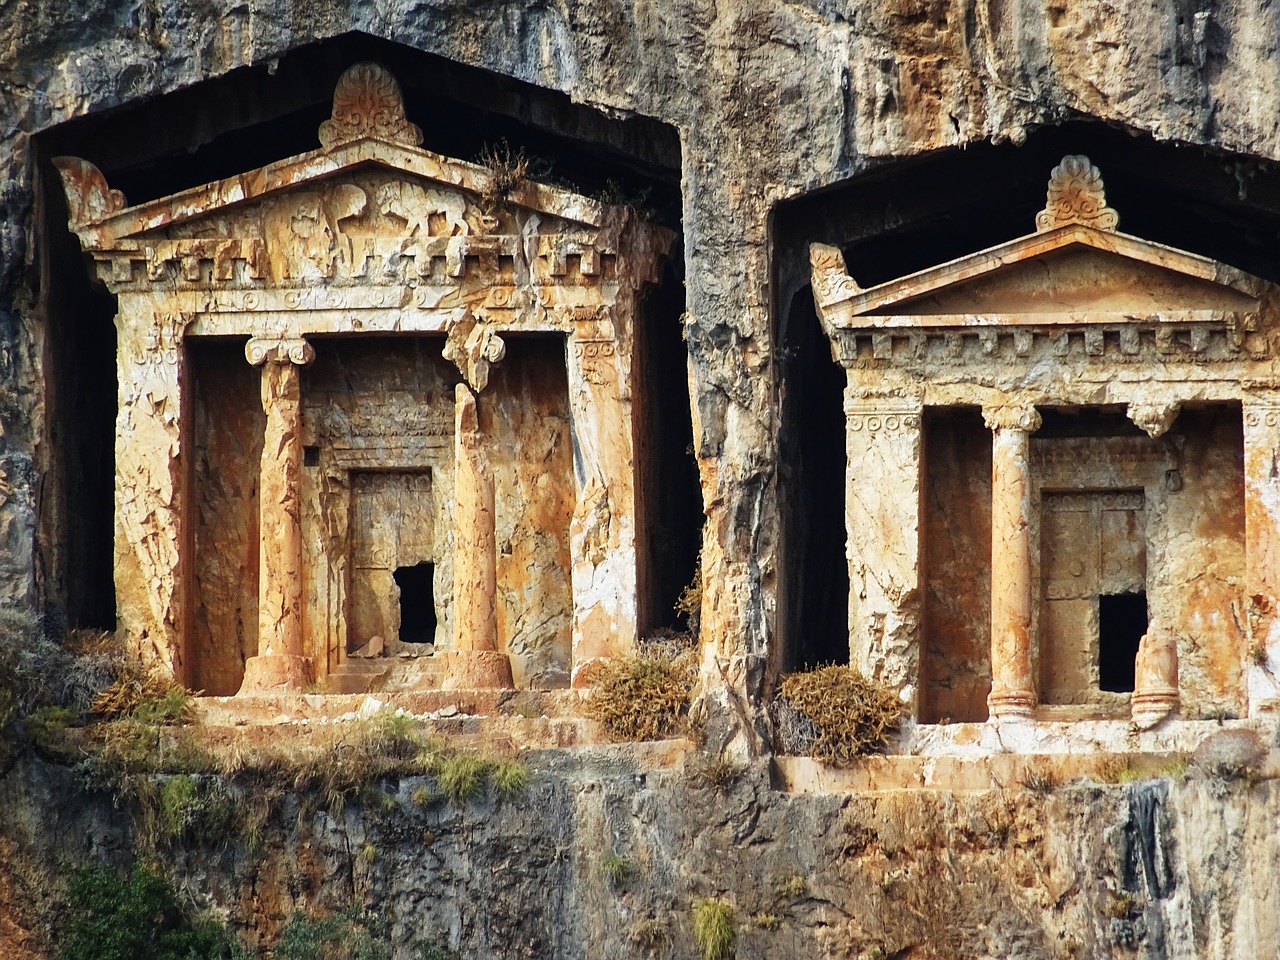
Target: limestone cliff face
{"points": [[1151, 869], [771, 101]]}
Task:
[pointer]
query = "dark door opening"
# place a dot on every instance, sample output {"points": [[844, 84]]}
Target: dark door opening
{"points": [[811, 449], [418, 603], [1122, 621]]}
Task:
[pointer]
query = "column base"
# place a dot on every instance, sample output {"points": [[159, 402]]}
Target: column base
{"points": [[1149, 707], [276, 673], [1015, 705], [477, 670]]}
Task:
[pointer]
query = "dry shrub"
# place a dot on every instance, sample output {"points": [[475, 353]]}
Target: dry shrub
{"points": [[507, 168], [834, 713], [138, 688], [644, 696], [37, 673], [689, 604]]}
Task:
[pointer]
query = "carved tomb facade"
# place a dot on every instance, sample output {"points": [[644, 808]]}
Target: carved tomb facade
{"points": [[1062, 499], [376, 416]]}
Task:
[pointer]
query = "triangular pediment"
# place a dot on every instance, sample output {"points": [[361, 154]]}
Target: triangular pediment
{"points": [[366, 142], [1076, 269], [1074, 274], [318, 172]]}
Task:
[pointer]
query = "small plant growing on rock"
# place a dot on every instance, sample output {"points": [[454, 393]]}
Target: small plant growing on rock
{"points": [[461, 777], [1040, 782], [508, 168], [649, 934], [792, 887], [713, 930], [834, 713], [617, 871], [642, 697], [509, 777], [352, 934]]}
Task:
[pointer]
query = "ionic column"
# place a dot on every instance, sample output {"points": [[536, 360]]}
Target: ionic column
{"points": [[1262, 549], [882, 529], [280, 664], [475, 662], [1012, 685]]}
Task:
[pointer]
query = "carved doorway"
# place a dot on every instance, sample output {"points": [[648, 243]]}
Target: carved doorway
{"points": [[1093, 567], [392, 530]]}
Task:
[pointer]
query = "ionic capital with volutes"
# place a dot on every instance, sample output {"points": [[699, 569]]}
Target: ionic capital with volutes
{"points": [[1011, 416], [295, 350]]}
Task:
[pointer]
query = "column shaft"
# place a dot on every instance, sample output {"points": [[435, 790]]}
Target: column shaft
{"points": [[475, 564], [1012, 684], [475, 662], [280, 663]]}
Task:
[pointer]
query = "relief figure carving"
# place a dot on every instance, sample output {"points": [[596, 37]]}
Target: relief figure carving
{"points": [[415, 205]]}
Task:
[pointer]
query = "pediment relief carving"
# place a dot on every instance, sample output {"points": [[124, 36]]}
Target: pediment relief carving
{"points": [[369, 228], [370, 207]]}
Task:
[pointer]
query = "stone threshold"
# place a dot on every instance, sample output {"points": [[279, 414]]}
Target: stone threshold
{"points": [[1024, 755], [503, 719], [884, 774], [971, 740]]}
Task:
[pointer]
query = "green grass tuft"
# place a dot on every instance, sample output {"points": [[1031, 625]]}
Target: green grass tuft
{"points": [[713, 930]]}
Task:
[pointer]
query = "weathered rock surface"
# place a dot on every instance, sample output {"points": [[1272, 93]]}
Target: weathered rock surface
{"points": [[1148, 869]]}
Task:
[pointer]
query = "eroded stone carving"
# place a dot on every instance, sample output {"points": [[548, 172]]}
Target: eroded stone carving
{"points": [[1076, 196], [368, 103], [1154, 418], [831, 280], [415, 204], [1155, 689], [89, 199], [474, 346]]}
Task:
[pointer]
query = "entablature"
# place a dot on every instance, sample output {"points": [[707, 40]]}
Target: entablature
{"points": [[369, 233]]}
